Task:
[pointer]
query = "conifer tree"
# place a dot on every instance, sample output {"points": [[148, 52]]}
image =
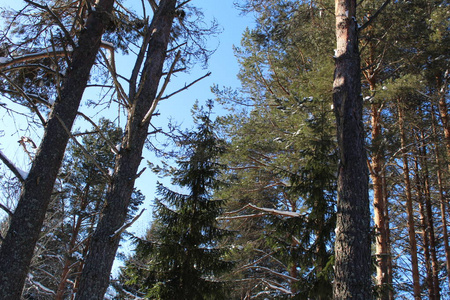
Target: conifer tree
{"points": [[181, 252]]}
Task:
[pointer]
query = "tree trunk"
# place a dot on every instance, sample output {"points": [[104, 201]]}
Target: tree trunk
{"points": [[442, 200], [423, 224], [352, 246], [388, 237], [95, 277], [17, 248], [379, 206], [430, 221], [376, 166], [409, 206], [443, 113]]}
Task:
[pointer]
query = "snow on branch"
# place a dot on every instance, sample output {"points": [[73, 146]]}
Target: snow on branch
{"points": [[266, 211], [8, 61], [124, 227], [277, 287], [20, 174]]}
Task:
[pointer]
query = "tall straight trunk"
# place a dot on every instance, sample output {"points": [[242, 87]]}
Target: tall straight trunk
{"points": [[376, 166], [379, 206], [443, 113], [409, 206], [423, 224], [430, 220], [388, 237], [17, 248], [105, 241], [442, 200], [352, 246]]}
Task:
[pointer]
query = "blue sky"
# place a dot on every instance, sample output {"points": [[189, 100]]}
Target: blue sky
{"points": [[222, 65]]}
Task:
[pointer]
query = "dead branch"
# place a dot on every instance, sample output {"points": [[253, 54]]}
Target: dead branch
{"points": [[12, 167], [85, 152], [122, 229], [150, 112], [6, 209], [99, 131], [186, 86]]}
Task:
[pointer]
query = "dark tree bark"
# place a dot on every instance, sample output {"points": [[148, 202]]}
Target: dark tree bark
{"points": [[352, 246], [95, 277], [17, 248]]}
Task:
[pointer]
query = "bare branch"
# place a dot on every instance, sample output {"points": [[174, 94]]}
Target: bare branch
{"points": [[153, 5], [33, 56], [110, 64], [375, 15], [99, 131], [267, 211], [186, 86], [85, 152], [12, 167], [9, 212], [56, 18], [150, 112], [30, 101], [122, 229]]}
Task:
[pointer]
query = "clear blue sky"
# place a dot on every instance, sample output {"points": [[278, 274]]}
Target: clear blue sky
{"points": [[222, 65]]}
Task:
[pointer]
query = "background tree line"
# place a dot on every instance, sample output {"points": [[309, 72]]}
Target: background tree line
{"points": [[284, 165]]}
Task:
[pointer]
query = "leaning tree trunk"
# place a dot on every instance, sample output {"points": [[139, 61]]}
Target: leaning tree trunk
{"points": [[17, 248], [105, 241], [352, 246]]}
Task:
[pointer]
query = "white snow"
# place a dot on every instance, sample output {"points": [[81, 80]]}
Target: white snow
{"points": [[22, 173], [106, 43], [4, 60]]}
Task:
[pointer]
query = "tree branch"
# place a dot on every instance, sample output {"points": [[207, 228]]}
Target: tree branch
{"points": [[149, 114], [122, 229], [12, 167], [375, 15], [85, 152], [186, 86]]}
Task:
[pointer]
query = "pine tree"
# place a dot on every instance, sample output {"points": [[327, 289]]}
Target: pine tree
{"points": [[181, 251]]}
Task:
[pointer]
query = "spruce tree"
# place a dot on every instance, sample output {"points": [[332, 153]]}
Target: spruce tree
{"points": [[182, 249]]}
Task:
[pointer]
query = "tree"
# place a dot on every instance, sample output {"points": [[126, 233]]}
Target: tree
{"points": [[73, 214], [17, 248], [181, 257], [282, 154], [352, 246], [140, 104]]}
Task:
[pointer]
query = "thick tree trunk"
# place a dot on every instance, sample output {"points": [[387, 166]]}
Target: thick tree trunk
{"points": [[95, 277], [409, 207], [17, 248], [352, 246]]}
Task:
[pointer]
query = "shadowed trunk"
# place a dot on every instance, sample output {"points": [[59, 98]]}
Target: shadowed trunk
{"points": [[105, 241], [17, 248], [352, 246]]}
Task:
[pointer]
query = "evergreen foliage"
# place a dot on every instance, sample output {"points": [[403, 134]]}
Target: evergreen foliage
{"points": [[181, 257]]}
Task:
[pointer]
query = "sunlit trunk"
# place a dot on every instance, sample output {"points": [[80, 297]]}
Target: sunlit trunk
{"points": [[409, 206]]}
